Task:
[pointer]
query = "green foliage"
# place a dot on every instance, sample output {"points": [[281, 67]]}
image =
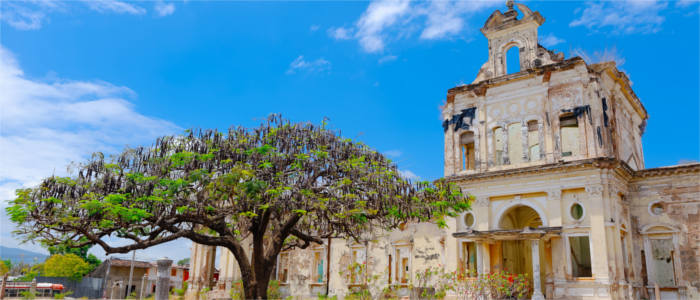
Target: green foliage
{"points": [[273, 290], [237, 290], [181, 292], [28, 274], [5, 267], [290, 183], [496, 285], [65, 265], [62, 295], [183, 261], [27, 295], [82, 252]]}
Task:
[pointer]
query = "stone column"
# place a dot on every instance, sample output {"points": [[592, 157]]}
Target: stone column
{"points": [[32, 287], [537, 284], [163, 281], [598, 235]]}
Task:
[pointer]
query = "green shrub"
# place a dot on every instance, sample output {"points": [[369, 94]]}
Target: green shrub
{"points": [[62, 295], [28, 295]]}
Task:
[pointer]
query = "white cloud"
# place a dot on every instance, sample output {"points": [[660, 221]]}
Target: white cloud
{"points": [[27, 15], [115, 6], [46, 125], [607, 55], [386, 20], [340, 33], [300, 64], [393, 153], [164, 9], [685, 3], [378, 16], [409, 175], [387, 58], [623, 17], [31, 15], [313, 28], [550, 40]]}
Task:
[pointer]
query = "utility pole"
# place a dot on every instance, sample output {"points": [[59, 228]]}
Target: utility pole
{"points": [[142, 281], [131, 273]]}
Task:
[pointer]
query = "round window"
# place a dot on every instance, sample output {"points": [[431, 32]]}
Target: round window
{"points": [[577, 211], [469, 220], [656, 208]]}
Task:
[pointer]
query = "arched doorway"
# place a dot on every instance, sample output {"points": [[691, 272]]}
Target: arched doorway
{"points": [[515, 255], [519, 217]]}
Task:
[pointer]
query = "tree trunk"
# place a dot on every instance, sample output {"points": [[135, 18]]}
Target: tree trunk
{"points": [[255, 284]]}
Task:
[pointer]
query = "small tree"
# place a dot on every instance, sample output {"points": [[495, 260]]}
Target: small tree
{"points": [[82, 252], [277, 186], [183, 261], [65, 265], [4, 268]]}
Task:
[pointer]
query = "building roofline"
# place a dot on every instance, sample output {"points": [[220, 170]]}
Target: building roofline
{"points": [[600, 162], [480, 87], [668, 170], [590, 163]]}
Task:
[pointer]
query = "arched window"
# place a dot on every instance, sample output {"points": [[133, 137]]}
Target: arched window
{"points": [[499, 141], [515, 143], [513, 60], [466, 141]]}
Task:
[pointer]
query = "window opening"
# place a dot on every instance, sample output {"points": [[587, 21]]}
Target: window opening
{"points": [[515, 144], [319, 266], [513, 60], [467, 149], [533, 141], [469, 220], [283, 271], [657, 208], [568, 126], [662, 262], [402, 273], [580, 256], [577, 211], [468, 259], [499, 145]]}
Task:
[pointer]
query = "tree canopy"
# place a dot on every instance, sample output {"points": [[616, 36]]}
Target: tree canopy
{"points": [[277, 186], [81, 252], [65, 265]]}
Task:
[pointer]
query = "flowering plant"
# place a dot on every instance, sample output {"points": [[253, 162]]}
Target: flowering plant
{"points": [[497, 285]]}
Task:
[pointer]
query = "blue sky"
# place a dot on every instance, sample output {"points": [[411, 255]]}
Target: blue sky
{"points": [[78, 76]]}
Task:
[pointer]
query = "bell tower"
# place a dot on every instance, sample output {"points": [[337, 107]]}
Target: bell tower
{"points": [[504, 31]]}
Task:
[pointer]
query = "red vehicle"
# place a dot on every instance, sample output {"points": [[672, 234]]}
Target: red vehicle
{"points": [[15, 289]]}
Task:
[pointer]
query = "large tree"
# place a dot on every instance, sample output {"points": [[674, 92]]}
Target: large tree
{"points": [[278, 186]]}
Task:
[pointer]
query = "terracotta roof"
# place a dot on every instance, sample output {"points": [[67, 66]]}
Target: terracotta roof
{"points": [[118, 262]]}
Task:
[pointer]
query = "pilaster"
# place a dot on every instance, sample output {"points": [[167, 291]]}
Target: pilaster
{"points": [[598, 235]]}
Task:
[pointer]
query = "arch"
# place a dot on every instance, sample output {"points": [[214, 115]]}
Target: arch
{"points": [[503, 212], [501, 54], [656, 228], [512, 60]]}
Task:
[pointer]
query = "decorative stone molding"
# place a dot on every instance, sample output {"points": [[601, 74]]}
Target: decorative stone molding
{"points": [[482, 201], [594, 190], [554, 194]]}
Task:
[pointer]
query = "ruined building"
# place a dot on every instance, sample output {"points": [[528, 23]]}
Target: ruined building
{"points": [[552, 152]]}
